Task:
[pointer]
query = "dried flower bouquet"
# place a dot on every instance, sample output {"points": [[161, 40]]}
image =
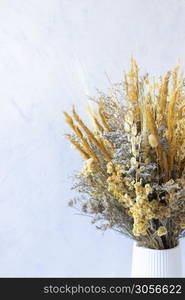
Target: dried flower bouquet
{"points": [[133, 178]]}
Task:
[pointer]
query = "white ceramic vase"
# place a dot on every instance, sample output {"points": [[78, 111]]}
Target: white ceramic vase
{"points": [[156, 263]]}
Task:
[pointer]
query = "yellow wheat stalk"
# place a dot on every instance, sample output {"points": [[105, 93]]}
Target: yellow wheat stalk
{"points": [[91, 136], [132, 88], [159, 150], [85, 145], [77, 146], [163, 95]]}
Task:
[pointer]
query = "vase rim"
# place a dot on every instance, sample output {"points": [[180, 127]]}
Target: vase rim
{"points": [[151, 249]]}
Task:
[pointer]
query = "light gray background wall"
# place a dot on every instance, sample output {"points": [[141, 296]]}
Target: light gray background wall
{"points": [[52, 54]]}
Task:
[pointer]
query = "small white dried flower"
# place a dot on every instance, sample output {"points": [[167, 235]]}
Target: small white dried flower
{"points": [[153, 141]]}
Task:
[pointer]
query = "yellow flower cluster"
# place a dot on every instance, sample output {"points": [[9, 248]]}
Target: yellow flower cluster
{"points": [[116, 185], [90, 167], [110, 167], [139, 207], [182, 225], [143, 210], [161, 231], [181, 222]]}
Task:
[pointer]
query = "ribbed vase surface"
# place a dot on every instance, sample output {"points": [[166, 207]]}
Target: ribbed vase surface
{"points": [[156, 263]]}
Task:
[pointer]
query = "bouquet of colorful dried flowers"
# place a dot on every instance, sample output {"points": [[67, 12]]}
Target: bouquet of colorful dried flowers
{"points": [[133, 178]]}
